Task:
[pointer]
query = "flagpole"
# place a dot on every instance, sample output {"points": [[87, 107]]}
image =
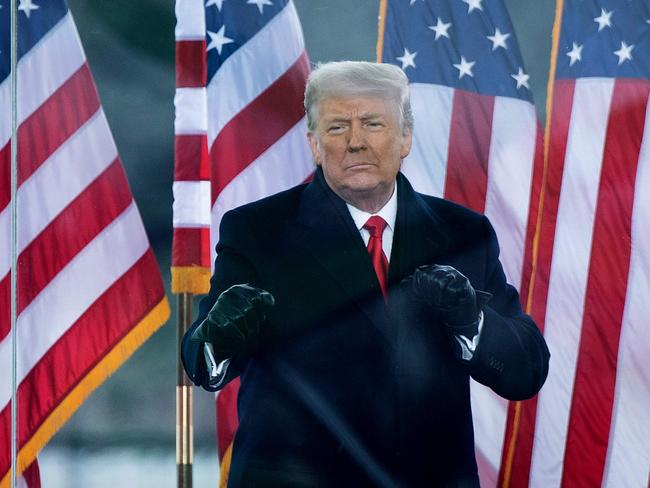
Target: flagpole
{"points": [[14, 241], [184, 424]]}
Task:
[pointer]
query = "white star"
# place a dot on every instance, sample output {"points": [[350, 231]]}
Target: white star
{"points": [[441, 29], [499, 39], [412, 2], [218, 3], [464, 67], [625, 52], [473, 4], [575, 54], [521, 78], [27, 6], [260, 4], [218, 40], [408, 59], [604, 19]]}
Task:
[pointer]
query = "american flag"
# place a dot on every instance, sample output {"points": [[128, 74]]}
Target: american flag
{"points": [[590, 425], [89, 288], [241, 69], [476, 141]]}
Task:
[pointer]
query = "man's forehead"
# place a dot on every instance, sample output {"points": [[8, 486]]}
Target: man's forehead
{"points": [[354, 106]]}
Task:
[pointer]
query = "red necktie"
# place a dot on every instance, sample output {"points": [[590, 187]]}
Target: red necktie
{"points": [[376, 225]]}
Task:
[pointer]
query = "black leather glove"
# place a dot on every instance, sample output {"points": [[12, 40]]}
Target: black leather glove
{"points": [[450, 293], [233, 323]]}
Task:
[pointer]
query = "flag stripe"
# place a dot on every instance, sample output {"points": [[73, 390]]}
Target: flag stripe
{"points": [[191, 156], [506, 205], [48, 127], [569, 270], [426, 166], [92, 145], [90, 273], [593, 392], [191, 116], [227, 420], [190, 20], [191, 70], [53, 248], [191, 203], [228, 158], [628, 459], [191, 246], [247, 73], [469, 149], [489, 425]]}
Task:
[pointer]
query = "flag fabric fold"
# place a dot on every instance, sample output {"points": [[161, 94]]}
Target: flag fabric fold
{"points": [[89, 288], [476, 141]]}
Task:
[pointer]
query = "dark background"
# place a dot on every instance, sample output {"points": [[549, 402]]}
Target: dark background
{"points": [[130, 48]]}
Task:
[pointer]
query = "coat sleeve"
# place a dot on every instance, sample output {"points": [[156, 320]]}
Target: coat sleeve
{"points": [[511, 356], [232, 266]]}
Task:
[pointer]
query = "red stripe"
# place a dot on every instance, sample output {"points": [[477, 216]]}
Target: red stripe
{"points": [[533, 214], [469, 149], [227, 419], [595, 380], [525, 430], [48, 127], [258, 126], [32, 475], [191, 66], [81, 348], [65, 236], [191, 247], [191, 157]]}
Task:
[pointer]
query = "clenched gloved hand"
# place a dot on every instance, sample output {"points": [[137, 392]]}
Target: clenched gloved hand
{"points": [[450, 293], [233, 323]]}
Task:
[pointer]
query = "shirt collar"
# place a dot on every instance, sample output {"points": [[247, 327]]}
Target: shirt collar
{"points": [[388, 212]]}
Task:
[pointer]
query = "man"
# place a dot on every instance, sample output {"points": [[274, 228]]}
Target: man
{"points": [[359, 310]]}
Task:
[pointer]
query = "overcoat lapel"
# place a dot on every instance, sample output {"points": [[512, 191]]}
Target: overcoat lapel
{"points": [[331, 239], [420, 235]]}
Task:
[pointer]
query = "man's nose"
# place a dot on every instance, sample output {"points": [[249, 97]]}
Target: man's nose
{"points": [[356, 138]]}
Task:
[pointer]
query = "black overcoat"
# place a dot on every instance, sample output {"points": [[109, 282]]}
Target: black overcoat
{"points": [[342, 388]]}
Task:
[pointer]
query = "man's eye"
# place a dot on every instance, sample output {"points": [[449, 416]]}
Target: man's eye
{"points": [[335, 129], [374, 125]]}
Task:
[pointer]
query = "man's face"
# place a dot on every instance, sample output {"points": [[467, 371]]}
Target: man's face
{"points": [[359, 144]]}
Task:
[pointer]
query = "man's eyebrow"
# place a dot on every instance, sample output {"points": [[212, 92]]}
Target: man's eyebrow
{"points": [[347, 118]]}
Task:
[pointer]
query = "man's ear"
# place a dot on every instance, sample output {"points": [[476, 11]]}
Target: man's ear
{"points": [[407, 141], [313, 145]]}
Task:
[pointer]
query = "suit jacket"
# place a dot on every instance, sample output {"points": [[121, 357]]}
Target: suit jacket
{"points": [[343, 388]]}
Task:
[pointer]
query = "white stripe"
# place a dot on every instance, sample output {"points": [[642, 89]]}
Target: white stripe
{"points": [[285, 164], [61, 178], [569, 270], [102, 262], [191, 206], [253, 67], [489, 413], [42, 71], [190, 20], [628, 459], [191, 111], [510, 170], [426, 166]]}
